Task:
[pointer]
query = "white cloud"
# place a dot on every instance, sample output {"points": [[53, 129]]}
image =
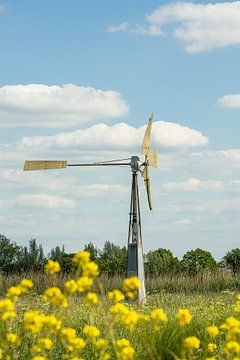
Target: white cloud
{"points": [[230, 101], [102, 190], [45, 201], [183, 222], [193, 184], [118, 28], [201, 27], [119, 136], [38, 105]]}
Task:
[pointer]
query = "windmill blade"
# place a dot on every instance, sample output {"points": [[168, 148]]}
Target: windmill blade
{"points": [[152, 157], [147, 136], [145, 175], [44, 165]]}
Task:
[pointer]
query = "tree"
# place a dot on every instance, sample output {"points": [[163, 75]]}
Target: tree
{"points": [[232, 260], [161, 261], [113, 259], [197, 260], [32, 258], [9, 253], [93, 251]]}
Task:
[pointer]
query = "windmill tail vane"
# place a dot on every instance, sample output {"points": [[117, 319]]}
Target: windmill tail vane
{"points": [[135, 264]]}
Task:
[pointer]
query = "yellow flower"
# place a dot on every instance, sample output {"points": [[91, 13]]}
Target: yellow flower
{"points": [[213, 331], [212, 347], [71, 286], [232, 347], [101, 344], [26, 285], [52, 267], [84, 283], [6, 305], [1, 353], [118, 309], [12, 338], [159, 315], [68, 333], [52, 323], [38, 358], [191, 342], [184, 317], [124, 349], [55, 297], [91, 299], [210, 358], [130, 286], [13, 292], [116, 296], [9, 315], [81, 258], [90, 269], [91, 331], [77, 343], [45, 343], [32, 321]]}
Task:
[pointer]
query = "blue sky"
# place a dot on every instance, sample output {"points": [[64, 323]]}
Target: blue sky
{"points": [[73, 72]]}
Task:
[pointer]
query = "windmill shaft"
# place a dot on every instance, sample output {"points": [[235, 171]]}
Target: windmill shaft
{"points": [[135, 263], [99, 164]]}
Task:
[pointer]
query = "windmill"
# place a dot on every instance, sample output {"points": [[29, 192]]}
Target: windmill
{"points": [[135, 264]]}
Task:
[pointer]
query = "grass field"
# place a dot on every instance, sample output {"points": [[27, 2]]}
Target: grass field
{"points": [[94, 326]]}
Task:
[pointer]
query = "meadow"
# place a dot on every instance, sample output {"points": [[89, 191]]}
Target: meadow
{"points": [[85, 317]]}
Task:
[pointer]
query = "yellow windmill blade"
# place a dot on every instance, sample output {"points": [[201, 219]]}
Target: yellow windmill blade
{"points": [[147, 136], [44, 165], [152, 157], [145, 175]]}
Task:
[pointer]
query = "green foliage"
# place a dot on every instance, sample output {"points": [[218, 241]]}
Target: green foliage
{"points": [[64, 259], [196, 261], [161, 261], [232, 260], [31, 258], [112, 259], [9, 253]]}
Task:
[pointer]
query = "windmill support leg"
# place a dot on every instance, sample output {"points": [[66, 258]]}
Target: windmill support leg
{"points": [[135, 263]]}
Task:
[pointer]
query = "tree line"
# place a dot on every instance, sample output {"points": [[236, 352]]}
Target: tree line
{"points": [[112, 259]]}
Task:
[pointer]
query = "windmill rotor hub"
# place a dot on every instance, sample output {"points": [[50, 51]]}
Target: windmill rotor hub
{"points": [[136, 163]]}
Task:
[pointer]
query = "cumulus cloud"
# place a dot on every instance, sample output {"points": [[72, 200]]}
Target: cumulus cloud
{"points": [[37, 105], [44, 201], [230, 101], [119, 136], [201, 27], [193, 184]]}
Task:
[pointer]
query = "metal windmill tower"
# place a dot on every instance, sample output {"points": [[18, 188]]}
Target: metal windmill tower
{"points": [[135, 263]]}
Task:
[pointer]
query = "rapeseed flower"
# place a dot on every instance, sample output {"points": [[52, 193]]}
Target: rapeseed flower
{"points": [[212, 347], [8, 315], [52, 267], [213, 331], [81, 258], [6, 305], [116, 296], [55, 297], [26, 285], [84, 283], [91, 299], [159, 315], [90, 269], [184, 317], [232, 347], [14, 292], [71, 286], [91, 332], [191, 342], [13, 338]]}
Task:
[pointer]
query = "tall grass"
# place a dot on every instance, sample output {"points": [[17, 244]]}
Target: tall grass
{"points": [[202, 283]]}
